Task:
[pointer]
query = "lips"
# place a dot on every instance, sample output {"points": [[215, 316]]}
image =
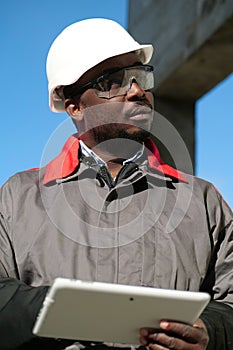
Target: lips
{"points": [[139, 112]]}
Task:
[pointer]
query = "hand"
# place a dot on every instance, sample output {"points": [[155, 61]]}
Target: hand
{"points": [[175, 335]]}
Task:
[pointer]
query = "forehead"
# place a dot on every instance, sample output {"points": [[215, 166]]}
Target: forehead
{"points": [[120, 61]]}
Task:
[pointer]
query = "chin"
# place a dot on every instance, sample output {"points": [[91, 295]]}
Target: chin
{"points": [[121, 131], [135, 134]]}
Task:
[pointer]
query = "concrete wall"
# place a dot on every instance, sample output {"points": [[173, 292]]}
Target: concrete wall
{"points": [[193, 42]]}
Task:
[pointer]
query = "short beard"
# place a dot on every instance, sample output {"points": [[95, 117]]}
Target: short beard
{"points": [[103, 135]]}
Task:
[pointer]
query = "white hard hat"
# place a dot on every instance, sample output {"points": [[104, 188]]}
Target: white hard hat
{"points": [[83, 45]]}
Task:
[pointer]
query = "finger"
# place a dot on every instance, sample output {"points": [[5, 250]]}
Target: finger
{"points": [[187, 332], [157, 347], [164, 341], [143, 340], [145, 333]]}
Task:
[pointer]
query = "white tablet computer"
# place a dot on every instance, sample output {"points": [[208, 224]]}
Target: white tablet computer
{"points": [[105, 312]]}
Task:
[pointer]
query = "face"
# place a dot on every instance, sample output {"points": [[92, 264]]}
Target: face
{"points": [[127, 116]]}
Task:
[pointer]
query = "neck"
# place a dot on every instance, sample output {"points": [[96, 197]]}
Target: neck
{"points": [[114, 152]]}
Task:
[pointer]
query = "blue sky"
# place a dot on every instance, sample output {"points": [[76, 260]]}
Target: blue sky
{"points": [[27, 30], [214, 145]]}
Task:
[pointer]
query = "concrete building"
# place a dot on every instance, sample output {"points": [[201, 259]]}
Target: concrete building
{"points": [[193, 42]]}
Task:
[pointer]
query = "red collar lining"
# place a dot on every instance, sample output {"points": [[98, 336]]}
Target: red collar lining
{"points": [[67, 162]]}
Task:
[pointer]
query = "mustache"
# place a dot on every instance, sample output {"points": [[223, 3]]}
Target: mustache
{"points": [[143, 103], [139, 107]]}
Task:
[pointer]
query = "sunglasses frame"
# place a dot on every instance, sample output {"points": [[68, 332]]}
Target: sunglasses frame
{"points": [[77, 91]]}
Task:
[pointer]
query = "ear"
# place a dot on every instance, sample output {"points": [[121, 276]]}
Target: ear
{"points": [[72, 108]]}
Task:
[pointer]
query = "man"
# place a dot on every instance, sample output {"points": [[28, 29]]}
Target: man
{"points": [[107, 208]]}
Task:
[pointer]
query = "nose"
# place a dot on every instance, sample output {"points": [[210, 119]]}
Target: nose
{"points": [[135, 91]]}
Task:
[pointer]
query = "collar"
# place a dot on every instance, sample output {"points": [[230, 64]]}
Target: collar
{"points": [[67, 161], [87, 152]]}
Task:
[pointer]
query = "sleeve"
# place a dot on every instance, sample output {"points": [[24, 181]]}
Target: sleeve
{"points": [[19, 306], [19, 303], [221, 267], [218, 318]]}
